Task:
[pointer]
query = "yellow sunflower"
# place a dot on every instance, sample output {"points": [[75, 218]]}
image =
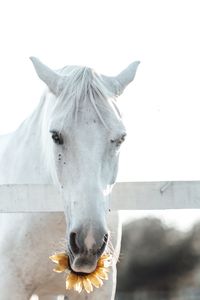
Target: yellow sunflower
{"points": [[86, 281]]}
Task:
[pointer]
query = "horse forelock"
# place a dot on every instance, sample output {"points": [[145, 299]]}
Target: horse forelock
{"points": [[84, 88]]}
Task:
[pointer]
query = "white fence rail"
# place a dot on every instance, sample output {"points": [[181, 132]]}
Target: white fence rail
{"points": [[125, 195]]}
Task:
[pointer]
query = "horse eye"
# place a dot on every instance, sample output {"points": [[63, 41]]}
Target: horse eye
{"points": [[120, 140], [57, 137]]}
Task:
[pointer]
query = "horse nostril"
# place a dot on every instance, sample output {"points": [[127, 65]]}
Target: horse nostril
{"points": [[73, 243], [103, 246]]}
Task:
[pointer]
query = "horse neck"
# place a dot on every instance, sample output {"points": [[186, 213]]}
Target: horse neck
{"points": [[21, 158]]}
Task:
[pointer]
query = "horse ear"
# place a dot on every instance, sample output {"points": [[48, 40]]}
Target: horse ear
{"points": [[48, 76], [118, 83]]}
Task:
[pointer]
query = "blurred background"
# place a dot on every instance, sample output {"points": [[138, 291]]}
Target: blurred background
{"points": [[160, 249], [159, 261]]}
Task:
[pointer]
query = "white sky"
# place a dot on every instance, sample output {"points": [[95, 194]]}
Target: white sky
{"points": [[161, 108]]}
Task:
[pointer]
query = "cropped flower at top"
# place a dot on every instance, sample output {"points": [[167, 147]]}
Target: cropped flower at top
{"points": [[78, 281]]}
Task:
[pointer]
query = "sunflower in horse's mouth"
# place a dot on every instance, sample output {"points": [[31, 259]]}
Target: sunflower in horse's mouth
{"points": [[82, 281]]}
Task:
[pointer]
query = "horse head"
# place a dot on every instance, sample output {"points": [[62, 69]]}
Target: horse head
{"points": [[82, 131]]}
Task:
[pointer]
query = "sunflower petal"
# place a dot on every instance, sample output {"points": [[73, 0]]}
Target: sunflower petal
{"points": [[68, 285], [59, 269], [95, 280], [71, 281], [87, 285], [104, 261], [64, 263], [102, 273], [61, 259], [78, 286], [106, 257], [56, 257], [100, 263]]}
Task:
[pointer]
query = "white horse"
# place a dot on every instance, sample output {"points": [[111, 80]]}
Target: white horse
{"points": [[71, 140]]}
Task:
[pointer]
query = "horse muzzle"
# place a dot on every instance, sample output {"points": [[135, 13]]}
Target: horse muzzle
{"points": [[84, 252], [83, 264]]}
